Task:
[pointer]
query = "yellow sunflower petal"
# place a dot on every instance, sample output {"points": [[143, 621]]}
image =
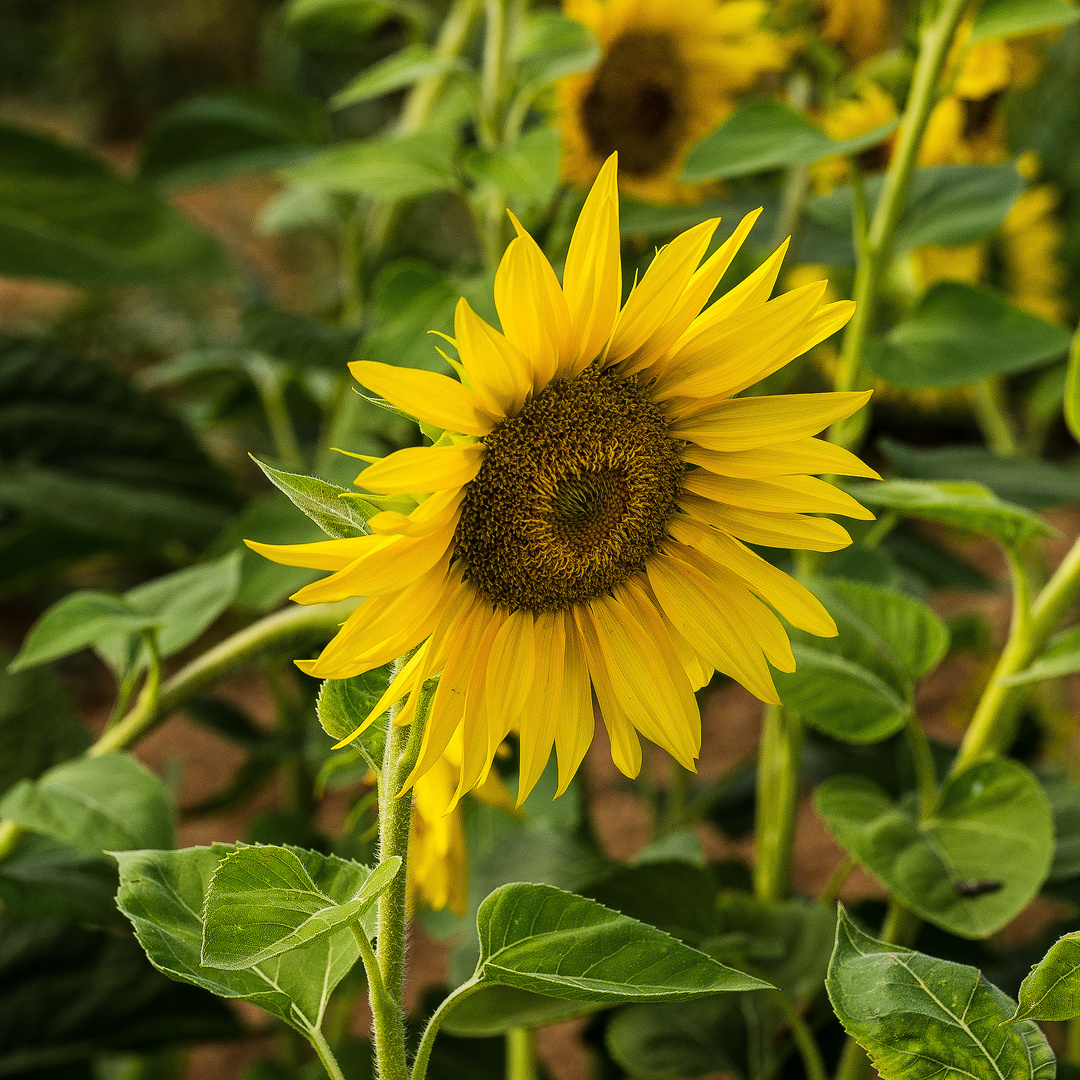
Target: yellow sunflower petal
{"points": [[782, 459], [794, 531], [430, 397], [592, 277], [778, 495], [539, 717], [728, 638], [792, 599], [510, 672], [652, 299], [747, 423], [499, 372], [625, 745], [574, 707], [423, 468], [435, 512], [699, 673], [320, 555]]}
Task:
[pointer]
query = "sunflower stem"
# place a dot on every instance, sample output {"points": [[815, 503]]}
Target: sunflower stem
{"points": [[395, 818], [802, 1035], [992, 413], [934, 44], [777, 802], [521, 1054], [325, 1054], [797, 180]]}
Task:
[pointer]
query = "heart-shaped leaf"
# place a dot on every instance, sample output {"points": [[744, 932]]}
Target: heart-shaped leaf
{"points": [[972, 867], [262, 902], [918, 1016], [1052, 990]]}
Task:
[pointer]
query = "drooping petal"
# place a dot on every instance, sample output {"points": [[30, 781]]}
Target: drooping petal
{"points": [[500, 374], [539, 716], [747, 423], [430, 397], [510, 673], [592, 277], [320, 555], [435, 512], [778, 495], [782, 459], [574, 707], [423, 468], [699, 673], [796, 531]]}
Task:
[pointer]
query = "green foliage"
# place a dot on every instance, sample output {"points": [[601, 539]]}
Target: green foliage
{"points": [[410, 65], [551, 46], [162, 893], [1008, 18], [1072, 388], [859, 686], [1061, 657], [1052, 990], [963, 505], [217, 136], [528, 168], [918, 1016], [958, 334], [262, 902], [344, 703], [322, 502], [970, 868], [65, 216], [764, 134], [95, 803]]}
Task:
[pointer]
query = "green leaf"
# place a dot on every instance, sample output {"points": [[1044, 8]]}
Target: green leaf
{"points": [[959, 334], [401, 69], [1072, 387], [946, 204], [1061, 657], [917, 1016], [63, 215], [344, 703], [529, 167], [261, 902], [1026, 482], [1064, 796], [392, 167], [966, 506], [162, 893], [212, 137], [298, 339], [1052, 990], [38, 727], [550, 46], [969, 869], [546, 942], [322, 502], [1010, 18], [94, 803], [335, 25], [762, 135], [77, 622]]}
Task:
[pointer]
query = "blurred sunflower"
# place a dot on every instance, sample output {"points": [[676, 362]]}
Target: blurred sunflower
{"points": [[579, 525], [860, 27], [668, 74]]}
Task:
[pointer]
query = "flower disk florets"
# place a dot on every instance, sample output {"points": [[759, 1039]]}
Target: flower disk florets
{"points": [[573, 496]]}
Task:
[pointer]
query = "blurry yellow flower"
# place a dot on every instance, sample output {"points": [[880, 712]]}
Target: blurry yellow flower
{"points": [[1031, 241], [860, 27], [964, 262], [669, 74], [847, 118], [579, 528], [438, 859]]}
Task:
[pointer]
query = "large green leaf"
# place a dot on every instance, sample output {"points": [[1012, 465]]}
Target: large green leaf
{"points": [[528, 167], [1010, 18], [68, 994], [1024, 481], [958, 334], [389, 167], [216, 136], [262, 902], [38, 727], [550, 46], [95, 803], [917, 1016], [1052, 990], [87, 453], [970, 868], [946, 204], [344, 703], [63, 215], [400, 69], [162, 893], [762, 135], [553, 944], [967, 506]]}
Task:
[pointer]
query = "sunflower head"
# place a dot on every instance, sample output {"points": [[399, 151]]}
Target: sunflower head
{"points": [[580, 527], [668, 74]]}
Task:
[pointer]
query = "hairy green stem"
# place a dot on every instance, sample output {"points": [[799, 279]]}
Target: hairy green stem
{"points": [[805, 1043], [777, 802], [325, 1054], [521, 1054], [427, 1040], [292, 624], [934, 44]]}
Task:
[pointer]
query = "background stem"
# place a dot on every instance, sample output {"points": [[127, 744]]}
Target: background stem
{"points": [[521, 1054], [777, 802]]}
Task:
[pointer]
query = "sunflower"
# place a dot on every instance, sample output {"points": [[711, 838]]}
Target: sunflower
{"points": [[668, 74], [580, 525], [860, 27], [438, 858]]}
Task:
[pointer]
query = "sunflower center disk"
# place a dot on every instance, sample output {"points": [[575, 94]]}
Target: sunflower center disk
{"points": [[637, 103], [573, 496]]}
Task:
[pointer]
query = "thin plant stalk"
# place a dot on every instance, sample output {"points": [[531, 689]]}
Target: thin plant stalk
{"points": [[521, 1054], [325, 1055], [802, 1036], [934, 44], [991, 410], [777, 802]]}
